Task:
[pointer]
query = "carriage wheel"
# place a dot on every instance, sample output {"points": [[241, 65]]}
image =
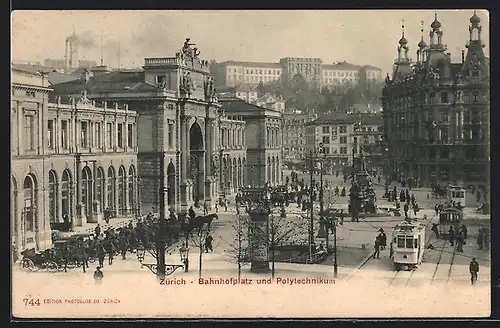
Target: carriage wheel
{"points": [[27, 265], [51, 266], [91, 259]]}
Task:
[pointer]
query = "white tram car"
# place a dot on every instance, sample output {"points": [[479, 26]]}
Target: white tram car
{"points": [[408, 245]]}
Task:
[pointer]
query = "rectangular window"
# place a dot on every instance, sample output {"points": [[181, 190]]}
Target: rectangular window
{"points": [[401, 242], [444, 97], [170, 134], [343, 150], [64, 134], [98, 132], [409, 242], [326, 140], [130, 136], [326, 129], [120, 135], [29, 137], [50, 134], [343, 129], [343, 140], [109, 135], [84, 132]]}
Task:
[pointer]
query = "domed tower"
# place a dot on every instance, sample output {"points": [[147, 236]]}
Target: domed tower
{"points": [[475, 64], [422, 45], [436, 35], [402, 64]]}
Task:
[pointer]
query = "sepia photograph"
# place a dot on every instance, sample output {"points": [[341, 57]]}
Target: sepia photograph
{"points": [[187, 164]]}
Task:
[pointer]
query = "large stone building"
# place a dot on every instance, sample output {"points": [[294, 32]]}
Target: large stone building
{"points": [[263, 141], [294, 134], [342, 135], [436, 113], [68, 157], [340, 75]]}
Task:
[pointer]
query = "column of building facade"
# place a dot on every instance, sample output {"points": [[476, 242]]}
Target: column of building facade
{"points": [[127, 208], [184, 158], [20, 122], [208, 157]]}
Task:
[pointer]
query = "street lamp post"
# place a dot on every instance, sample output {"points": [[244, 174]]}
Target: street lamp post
{"points": [[160, 269], [335, 265]]}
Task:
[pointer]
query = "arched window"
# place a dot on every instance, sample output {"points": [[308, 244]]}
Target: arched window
{"points": [[131, 189], [30, 221], [66, 195], [87, 192], [269, 169], [13, 209], [53, 201], [122, 183], [99, 188], [111, 188]]}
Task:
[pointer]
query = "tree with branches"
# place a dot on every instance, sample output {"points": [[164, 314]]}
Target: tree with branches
{"points": [[199, 240], [238, 247], [284, 231]]}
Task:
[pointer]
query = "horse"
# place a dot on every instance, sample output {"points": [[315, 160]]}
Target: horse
{"points": [[199, 221]]}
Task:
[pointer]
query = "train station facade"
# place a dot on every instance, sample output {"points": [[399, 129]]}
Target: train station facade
{"points": [[71, 158]]}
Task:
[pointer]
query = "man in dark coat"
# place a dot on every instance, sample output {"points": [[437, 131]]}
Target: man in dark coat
{"points": [[451, 233], [376, 254], [98, 275], [191, 213], [208, 244], [383, 239], [435, 229], [473, 269]]}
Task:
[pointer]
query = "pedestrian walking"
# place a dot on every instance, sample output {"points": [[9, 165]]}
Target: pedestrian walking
{"points": [[208, 244], [383, 239], [98, 275], [101, 254], [480, 237], [463, 229], [435, 229], [451, 233], [97, 230], [473, 269], [376, 254], [406, 208]]}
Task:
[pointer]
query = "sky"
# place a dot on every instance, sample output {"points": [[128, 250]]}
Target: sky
{"points": [[367, 37]]}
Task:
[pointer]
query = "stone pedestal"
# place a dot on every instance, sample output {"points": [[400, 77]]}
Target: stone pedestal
{"points": [[322, 230], [81, 216], [259, 239], [97, 215]]}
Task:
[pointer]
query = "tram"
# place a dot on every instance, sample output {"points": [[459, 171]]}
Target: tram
{"points": [[449, 217], [408, 245], [456, 195]]}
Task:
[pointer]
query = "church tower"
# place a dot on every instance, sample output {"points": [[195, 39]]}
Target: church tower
{"points": [[402, 65]]}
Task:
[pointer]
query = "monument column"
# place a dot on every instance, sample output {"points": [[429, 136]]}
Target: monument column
{"points": [[259, 218]]}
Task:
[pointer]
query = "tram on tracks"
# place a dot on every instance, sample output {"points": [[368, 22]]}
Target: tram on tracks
{"points": [[449, 217], [408, 245]]}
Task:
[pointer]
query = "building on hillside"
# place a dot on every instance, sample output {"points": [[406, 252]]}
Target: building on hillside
{"points": [[68, 157], [339, 76], [235, 73], [263, 141], [178, 123], [370, 76], [294, 135], [270, 102], [436, 113], [308, 68]]}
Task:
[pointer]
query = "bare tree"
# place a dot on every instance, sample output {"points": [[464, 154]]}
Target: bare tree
{"points": [[284, 231], [238, 247], [199, 240]]}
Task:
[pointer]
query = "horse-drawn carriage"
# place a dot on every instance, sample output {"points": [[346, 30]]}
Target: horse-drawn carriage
{"points": [[279, 195], [34, 261]]}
